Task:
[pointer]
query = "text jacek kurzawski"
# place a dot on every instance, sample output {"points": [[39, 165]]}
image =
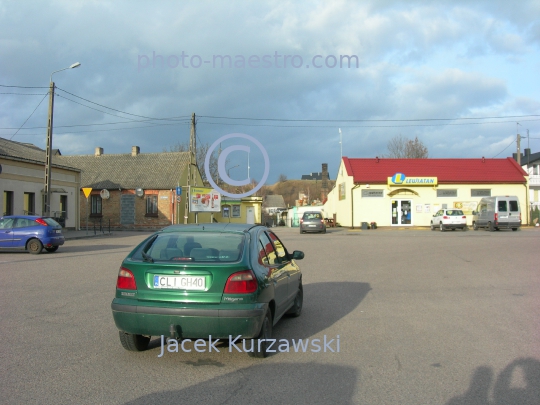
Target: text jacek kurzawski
{"points": [[323, 345]]}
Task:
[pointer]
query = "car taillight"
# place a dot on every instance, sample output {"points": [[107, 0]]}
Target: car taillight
{"points": [[445, 217], [243, 282], [464, 217], [41, 221], [301, 221], [322, 221], [520, 217], [126, 280], [496, 217]]}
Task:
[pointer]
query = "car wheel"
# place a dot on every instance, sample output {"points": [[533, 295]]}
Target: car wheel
{"points": [[514, 229], [260, 343], [296, 309], [34, 246], [134, 343], [490, 227], [52, 249], [324, 230], [453, 229], [432, 227], [441, 227], [474, 226]]}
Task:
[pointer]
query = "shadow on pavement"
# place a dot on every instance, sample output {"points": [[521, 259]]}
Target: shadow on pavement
{"points": [[278, 383], [504, 392]]}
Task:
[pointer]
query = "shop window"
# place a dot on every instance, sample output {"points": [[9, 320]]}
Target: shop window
{"points": [[447, 192], [480, 192], [95, 205], [225, 211], [236, 211], [152, 205]]}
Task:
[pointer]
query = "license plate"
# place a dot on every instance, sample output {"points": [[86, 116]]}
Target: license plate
{"points": [[312, 226], [57, 231], [180, 282]]}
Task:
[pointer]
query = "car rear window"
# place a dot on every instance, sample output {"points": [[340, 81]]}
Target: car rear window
{"points": [[454, 212], [312, 215], [513, 205], [51, 222], [193, 247], [502, 206]]}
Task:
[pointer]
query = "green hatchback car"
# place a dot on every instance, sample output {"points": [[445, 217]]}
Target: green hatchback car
{"points": [[207, 281]]}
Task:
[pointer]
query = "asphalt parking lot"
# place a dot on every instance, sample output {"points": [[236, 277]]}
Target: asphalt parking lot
{"points": [[422, 318]]}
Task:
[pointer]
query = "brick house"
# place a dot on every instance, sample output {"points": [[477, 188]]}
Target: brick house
{"points": [[134, 190]]}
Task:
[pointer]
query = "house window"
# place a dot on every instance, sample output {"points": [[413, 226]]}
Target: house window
{"points": [[8, 203], [535, 170], [236, 211], [447, 192], [152, 205], [480, 192], [29, 203], [95, 205], [63, 206]]}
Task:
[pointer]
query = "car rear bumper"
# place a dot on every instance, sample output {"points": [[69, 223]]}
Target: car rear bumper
{"points": [[454, 226], [53, 241], [193, 321], [316, 228], [507, 225]]}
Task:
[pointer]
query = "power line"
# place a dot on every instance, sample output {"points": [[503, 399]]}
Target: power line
{"points": [[29, 116], [27, 94], [120, 111], [24, 87], [503, 149], [367, 120]]}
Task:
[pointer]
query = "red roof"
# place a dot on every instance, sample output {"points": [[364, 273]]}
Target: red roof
{"points": [[377, 170]]}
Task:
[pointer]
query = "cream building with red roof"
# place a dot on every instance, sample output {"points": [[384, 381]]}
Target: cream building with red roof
{"points": [[407, 192]]}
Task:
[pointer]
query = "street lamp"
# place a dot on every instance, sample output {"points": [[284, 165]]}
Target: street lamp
{"points": [[48, 156]]}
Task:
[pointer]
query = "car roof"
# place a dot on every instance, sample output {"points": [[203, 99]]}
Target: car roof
{"points": [[214, 227], [22, 216]]}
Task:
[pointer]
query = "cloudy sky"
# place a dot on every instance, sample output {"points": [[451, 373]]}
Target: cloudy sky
{"points": [[459, 75]]}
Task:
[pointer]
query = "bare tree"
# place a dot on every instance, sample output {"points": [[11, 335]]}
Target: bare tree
{"points": [[400, 147], [202, 150], [282, 178]]}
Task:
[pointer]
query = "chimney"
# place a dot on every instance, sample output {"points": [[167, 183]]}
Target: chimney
{"points": [[324, 188], [135, 150], [98, 152]]}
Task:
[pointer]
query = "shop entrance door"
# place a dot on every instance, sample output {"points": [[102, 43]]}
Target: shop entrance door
{"points": [[401, 212]]}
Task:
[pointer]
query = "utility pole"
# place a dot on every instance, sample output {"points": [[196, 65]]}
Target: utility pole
{"points": [[192, 158], [48, 155]]}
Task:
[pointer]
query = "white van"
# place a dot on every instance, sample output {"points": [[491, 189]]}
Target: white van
{"points": [[497, 212]]}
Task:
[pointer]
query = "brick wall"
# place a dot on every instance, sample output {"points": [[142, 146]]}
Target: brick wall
{"points": [[112, 210]]}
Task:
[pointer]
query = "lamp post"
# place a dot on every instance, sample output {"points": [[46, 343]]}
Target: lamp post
{"points": [[48, 156]]}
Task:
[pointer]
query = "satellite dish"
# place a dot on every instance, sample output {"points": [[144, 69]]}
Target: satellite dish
{"points": [[104, 194], [139, 192]]}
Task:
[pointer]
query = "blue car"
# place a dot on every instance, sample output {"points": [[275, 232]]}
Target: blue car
{"points": [[31, 233]]}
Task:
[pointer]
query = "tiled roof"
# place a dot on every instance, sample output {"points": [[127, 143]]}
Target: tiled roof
{"points": [[377, 170], [274, 201], [27, 152], [159, 171]]}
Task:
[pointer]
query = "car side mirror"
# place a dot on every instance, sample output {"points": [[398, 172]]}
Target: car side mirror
{"points": [[298, 255]]}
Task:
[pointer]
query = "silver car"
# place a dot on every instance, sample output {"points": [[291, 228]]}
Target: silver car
{"points": [[312, 221]]}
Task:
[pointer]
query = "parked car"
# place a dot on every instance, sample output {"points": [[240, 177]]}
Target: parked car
{"points": [[196, 281], [449, 219], [497, 212], [31, 233], [312, 221]]}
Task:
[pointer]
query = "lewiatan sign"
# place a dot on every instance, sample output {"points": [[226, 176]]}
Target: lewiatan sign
{"points": [[399, 179]]}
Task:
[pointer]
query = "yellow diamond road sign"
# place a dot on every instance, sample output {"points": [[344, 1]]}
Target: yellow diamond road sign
{"points": [[87, 191]]}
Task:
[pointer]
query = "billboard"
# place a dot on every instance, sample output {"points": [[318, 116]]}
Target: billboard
{"points": [[204, 200]]}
